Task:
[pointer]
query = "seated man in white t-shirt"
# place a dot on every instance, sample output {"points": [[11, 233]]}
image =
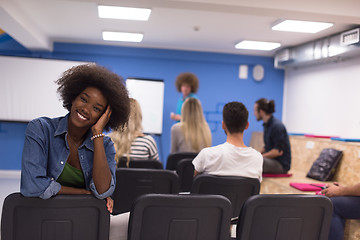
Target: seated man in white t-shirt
{"points": [[232, 158]]}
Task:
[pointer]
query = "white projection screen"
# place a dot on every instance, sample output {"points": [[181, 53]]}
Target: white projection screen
{"points": [[150, 95], [28, 88]]}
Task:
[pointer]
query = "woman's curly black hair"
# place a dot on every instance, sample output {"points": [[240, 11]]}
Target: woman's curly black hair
{"points": [[78, 78], [187, 78]]}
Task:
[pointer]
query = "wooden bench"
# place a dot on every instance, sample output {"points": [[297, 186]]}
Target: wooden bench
{"points": [[304, 152]]}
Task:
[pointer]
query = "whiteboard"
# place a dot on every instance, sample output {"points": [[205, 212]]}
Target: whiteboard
{"points": [[28, 88], [150, 95], [323, 99]]}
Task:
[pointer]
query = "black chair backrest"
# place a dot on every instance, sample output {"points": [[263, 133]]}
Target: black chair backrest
{"points": [[185, 170], [179, 217], [58, 218], [135, 163], [283, 217], [236, 189], [174, 158], [133, 182]]}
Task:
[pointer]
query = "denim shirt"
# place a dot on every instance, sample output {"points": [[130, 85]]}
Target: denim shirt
{"points": [[45, 153]]}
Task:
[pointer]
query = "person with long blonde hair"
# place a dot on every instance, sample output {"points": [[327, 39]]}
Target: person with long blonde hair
{"points": [[131, 142], [192, 133]]}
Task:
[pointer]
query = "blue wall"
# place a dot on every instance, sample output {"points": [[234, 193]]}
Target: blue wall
{"points": [[218, 74]]}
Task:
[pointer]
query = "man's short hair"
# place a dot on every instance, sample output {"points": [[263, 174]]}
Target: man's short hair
{"points": [[235, 117]]}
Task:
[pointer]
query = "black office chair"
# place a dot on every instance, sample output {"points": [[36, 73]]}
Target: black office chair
{"points": [[185, 171], [284, 217], [180, 217], [58, 218], [133, 182], [174, 158], [135, 163], [236, 189]]}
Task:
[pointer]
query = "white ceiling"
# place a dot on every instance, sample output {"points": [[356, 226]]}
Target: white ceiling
{"points": [[200, 25]]}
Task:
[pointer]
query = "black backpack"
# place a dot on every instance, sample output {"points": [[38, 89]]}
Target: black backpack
{"points": [[324, 167]]}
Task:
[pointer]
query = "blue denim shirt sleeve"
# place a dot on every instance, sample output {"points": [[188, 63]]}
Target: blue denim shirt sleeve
{"points": [[110, 156], [35, 181]]}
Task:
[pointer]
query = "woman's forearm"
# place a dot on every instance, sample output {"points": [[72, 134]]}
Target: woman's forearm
{"points": [[72, 190], [273, 153], [353, 190], [101, 171]]}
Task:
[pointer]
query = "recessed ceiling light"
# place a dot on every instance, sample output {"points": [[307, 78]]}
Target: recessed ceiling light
{"points": [[127, 13], [122, 36], [257, 45], [301, 26]]}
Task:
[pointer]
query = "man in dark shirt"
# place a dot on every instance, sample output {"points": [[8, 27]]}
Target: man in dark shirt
{"points": [[276, 153]]}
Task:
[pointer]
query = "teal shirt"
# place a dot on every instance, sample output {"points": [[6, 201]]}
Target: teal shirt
{"points": [[182, 100]]}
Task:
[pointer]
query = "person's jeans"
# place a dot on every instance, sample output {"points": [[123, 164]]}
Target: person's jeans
{"points": [[345, 207]]}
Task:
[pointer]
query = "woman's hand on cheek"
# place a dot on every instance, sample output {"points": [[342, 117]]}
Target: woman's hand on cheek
{"points": [[98, 127]]}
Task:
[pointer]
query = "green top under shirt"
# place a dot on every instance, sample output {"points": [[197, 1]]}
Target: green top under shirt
{"points": [[71, 177]]}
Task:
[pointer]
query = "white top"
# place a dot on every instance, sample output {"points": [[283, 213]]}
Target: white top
{"points": [[144, 147], [229, 160]]}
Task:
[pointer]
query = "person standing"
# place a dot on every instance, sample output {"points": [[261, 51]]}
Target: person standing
{"points": [[277, 152], [187, 83]]}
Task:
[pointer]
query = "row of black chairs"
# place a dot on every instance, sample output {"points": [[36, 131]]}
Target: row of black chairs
{"points": [[235, 189], [171, 163], [168, 217], [134, 184], [180, 162], [131, 183], [199, 217]]}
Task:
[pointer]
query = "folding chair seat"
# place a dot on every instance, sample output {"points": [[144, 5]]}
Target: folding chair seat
{"points": [[236, 189], [185, 171], [179, 217], [61, 217], [285, 216], [133, 182], [174, 158]]}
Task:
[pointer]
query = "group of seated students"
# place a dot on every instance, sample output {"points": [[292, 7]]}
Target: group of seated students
{"points": [[72, 155], [192, 133]]}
